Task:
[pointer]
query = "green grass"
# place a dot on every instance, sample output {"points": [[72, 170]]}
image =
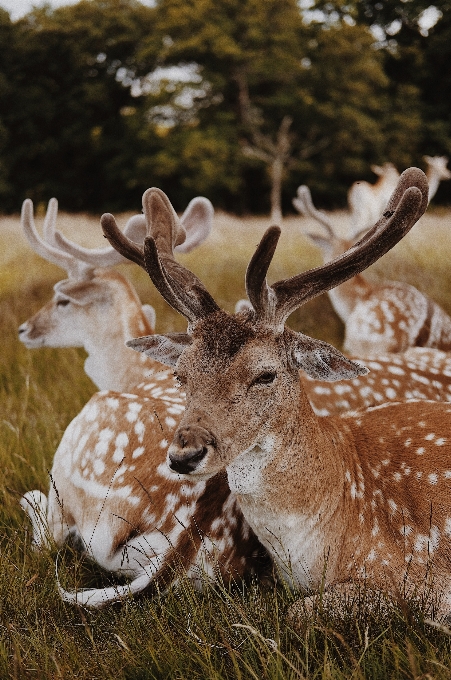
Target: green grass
{"points": [[241, 633]]}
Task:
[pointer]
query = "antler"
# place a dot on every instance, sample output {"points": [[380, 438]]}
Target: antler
{"points": [[304, 204], [179, 287], [274, 304], [197, 220], [47, 250], [135, 230]]}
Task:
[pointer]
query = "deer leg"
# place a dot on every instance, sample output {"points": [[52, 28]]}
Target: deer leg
{"points": [[34, 503]]}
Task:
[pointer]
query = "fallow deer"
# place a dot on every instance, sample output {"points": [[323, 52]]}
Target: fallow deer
{"points": [[96, 307], [367, 201], [366, 495], [379, 318], [111, 491]]}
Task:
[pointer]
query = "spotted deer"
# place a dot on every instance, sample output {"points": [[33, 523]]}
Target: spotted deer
{"points": [[110, 488], [378, 317], [367, 201], [365, 495], [96, 307]]}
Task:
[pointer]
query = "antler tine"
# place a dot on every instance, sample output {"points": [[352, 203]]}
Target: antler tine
{"points": [[179, 286], [134, 230], [45, 250], [304, 204], [120, 242], [258, 291], [197, 221], [407, 204], [49, 226]]}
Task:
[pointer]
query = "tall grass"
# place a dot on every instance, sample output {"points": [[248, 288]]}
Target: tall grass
{"points": [[244, 632]]}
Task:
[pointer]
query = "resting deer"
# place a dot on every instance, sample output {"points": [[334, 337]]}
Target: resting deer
{"points": [[366, 495], [367, 201], [378, 318], [96, 307], [111, 491]]}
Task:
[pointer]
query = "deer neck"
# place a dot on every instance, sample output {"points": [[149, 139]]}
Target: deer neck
{"points": [[433, 181], [280, 488], [110, 364], [345, 297]]}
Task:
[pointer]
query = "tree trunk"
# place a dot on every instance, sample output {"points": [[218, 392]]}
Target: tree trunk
{"points": [[276, 190]]}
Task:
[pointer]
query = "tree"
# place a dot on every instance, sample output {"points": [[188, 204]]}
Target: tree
{"points": [[68, 134]]}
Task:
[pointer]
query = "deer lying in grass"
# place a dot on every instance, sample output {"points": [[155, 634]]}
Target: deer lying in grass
{"points": [[96, 307], [366, 495], [367, 201], [378, 318], [99, 309], [111, 491]]}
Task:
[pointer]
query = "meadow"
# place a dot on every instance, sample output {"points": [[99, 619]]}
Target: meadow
{"points": [[242, 632]]}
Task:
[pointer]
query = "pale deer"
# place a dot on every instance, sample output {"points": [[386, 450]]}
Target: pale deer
{"points": [[366, 495], [378, 317], [367, 201], [96, 307]]}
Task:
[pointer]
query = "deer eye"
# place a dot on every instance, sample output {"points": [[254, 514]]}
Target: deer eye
{"points": [[63, 302], [266, 378]]}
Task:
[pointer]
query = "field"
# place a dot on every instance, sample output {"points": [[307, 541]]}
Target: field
{"points": [[241, 633]]}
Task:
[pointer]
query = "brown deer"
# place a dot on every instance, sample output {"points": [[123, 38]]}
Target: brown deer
{"points": [[366, 495], [378, 317]]}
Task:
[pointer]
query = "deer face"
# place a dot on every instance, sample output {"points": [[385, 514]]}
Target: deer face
{"points": [[243, 389]]}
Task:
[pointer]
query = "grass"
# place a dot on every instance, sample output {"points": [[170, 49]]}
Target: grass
{"points": [[240, 633]]}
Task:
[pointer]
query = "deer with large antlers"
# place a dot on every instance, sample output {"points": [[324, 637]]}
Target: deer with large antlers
{"points": [[96, 307], [378, 317], [332, 499]]}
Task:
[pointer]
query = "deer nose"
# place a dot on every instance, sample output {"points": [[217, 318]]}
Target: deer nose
{"points": [[22, 328], [189, 447]]}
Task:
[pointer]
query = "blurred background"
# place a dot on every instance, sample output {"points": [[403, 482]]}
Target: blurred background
{"points": [[238, 100]]}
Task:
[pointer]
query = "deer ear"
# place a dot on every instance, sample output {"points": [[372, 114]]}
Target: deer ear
{"points": [[164, 348], [322, 361]]}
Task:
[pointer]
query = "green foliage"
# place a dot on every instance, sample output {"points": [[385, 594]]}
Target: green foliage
{"points": [[89, 111]]}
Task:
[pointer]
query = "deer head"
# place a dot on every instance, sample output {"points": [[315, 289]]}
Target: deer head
{"points": [[241, 371]]}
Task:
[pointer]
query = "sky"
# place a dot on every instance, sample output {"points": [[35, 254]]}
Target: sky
{"points": [[17, 8]]}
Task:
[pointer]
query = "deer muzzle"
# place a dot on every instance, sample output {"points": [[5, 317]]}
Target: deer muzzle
{"points": [[189, 447]]}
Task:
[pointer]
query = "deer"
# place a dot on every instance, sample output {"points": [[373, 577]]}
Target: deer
{"points": [[334, 500], [379, 318], [110, 492], [96, 307], [99, 309], [367, 201]]}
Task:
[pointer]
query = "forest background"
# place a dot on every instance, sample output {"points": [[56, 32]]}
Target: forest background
{"points": [[232, 99]]}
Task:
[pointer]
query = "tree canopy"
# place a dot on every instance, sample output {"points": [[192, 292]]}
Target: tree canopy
{"points": [[239, 100]]}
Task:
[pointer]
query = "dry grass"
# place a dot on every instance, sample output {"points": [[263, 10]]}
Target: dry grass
{"points": [[220, 634]]}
